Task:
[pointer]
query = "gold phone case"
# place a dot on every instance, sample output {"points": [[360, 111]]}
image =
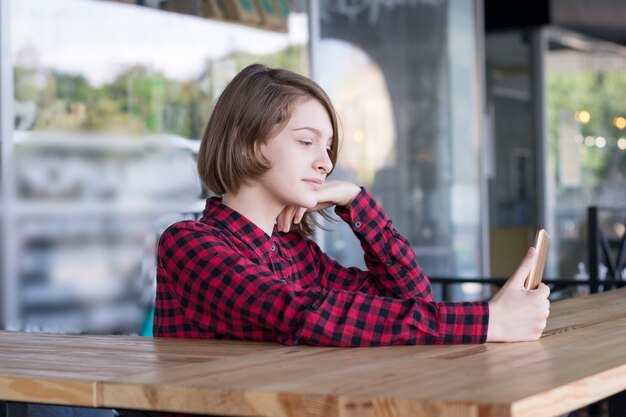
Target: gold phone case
{"points": [[542, 243]]}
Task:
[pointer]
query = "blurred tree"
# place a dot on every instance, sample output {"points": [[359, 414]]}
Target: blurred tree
{"points": [[602, 95], [139, 100]]}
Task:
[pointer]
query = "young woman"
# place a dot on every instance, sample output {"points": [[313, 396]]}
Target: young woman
{"points": [[248, 269]]}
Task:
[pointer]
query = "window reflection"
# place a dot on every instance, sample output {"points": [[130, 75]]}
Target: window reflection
{"points": [[109, 66], [110, 101]]}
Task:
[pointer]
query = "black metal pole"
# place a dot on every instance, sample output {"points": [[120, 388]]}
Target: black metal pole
{"points": [[593, 248]]}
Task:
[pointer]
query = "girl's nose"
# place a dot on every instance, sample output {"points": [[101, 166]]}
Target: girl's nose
{"points": [[324, 164]]}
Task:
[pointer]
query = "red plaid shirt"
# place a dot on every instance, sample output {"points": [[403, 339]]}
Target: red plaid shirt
{"points": [[222, 277]]}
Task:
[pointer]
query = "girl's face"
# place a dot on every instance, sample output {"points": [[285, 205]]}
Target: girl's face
{"points": [[299, 156]]}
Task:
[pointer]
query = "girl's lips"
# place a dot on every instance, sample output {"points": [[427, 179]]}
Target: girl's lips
{"points": [[315, 184]]}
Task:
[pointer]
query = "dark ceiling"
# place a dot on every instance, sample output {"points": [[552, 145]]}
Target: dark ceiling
{"points": [[602, 19]]}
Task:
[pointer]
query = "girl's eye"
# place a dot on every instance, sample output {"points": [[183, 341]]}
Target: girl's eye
{"points": [[306, 142]]}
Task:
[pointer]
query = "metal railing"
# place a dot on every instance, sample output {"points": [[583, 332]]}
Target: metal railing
{"points": [[553, 283]]}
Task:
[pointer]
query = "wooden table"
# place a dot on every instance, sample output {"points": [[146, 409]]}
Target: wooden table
{"points": [[580, 359]]}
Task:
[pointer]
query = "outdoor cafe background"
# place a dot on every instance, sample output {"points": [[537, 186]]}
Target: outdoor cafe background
{"points": [[103, 104]]}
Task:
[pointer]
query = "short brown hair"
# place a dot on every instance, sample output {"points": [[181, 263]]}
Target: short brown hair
{"points": [[255, 105]]}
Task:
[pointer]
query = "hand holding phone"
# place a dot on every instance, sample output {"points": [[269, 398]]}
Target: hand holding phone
{"points": [[542, 243]]}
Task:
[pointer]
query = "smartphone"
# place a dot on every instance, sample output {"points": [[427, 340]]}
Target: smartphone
{"points": [[542, 243]]}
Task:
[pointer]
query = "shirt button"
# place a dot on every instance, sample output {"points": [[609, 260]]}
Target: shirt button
{"points": [[314, 306], [357, 224], [284, 281], [389, 262], [273, 248]]}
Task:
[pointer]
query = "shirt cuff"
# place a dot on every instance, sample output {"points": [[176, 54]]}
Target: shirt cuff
{"points": [[364, 214], [464, 322]]}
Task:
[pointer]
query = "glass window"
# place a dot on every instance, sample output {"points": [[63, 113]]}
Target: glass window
{"points": [[110, 101], [585, 84], [404, 79]]}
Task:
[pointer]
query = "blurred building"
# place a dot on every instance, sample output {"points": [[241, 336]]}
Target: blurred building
{"points": [[473, 123]]}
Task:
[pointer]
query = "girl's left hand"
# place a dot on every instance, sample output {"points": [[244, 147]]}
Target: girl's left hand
{"points": [[332, 193]]}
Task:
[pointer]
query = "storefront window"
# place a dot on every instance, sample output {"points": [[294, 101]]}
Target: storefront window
{"points": [[110, 100]]}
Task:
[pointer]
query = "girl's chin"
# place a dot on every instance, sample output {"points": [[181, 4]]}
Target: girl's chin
{"points": [[306, 203]]}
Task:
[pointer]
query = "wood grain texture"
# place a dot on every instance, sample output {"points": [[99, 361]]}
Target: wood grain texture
{"points": [[50, 391], [580, 359]]}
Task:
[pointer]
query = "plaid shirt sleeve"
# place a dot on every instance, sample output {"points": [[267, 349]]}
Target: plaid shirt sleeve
{"points": [[219, 291], [392, 268]]}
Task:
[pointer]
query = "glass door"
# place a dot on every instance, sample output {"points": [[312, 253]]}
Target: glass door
{"points": [[585, 113]]}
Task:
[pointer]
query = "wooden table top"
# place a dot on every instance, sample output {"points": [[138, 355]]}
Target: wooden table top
{"points": [[580, 359]]}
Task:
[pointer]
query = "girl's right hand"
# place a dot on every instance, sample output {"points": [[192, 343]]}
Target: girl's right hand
{"points": [[332, 193]]}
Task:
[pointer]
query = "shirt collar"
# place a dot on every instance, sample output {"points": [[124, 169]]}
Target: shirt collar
{"points": [[239, 225]]}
